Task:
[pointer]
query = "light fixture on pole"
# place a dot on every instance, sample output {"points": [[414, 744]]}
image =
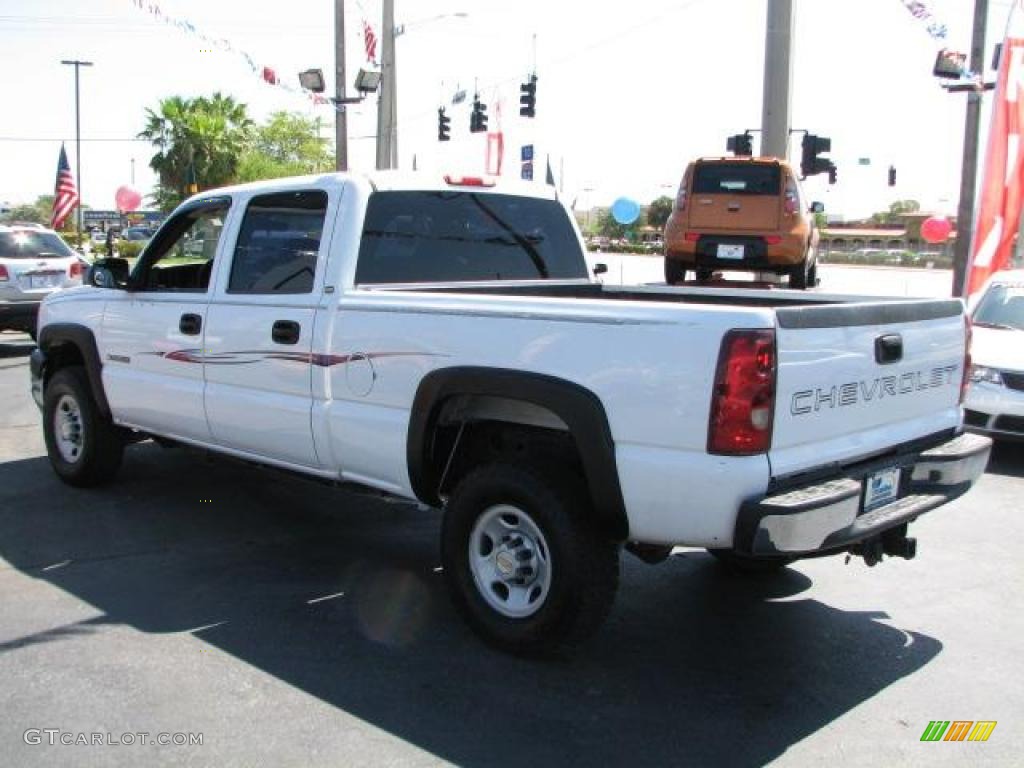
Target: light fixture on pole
{"points": [[78, 140]]}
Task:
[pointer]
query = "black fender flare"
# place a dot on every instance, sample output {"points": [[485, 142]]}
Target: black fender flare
{"points": [[580, 409], [58, 334]]}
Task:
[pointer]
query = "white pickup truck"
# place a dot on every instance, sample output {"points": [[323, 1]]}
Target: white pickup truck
{"points": [[442, 340]]}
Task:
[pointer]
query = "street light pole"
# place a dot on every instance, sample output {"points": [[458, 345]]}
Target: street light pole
{"points": [[387, 134], [341, 119], [969, 167], [78, 140]]}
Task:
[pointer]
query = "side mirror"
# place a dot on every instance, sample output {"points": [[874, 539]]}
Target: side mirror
{"points": [[109, 273], [817, 207], [600, 269]]}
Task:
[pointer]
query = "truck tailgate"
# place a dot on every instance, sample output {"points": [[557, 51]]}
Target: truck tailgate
{"points": [[854, 380]]}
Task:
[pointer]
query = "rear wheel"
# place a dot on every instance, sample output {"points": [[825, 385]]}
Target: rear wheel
{"points": [[84, 447], [526, 565], [799, 274], [674, 271]]}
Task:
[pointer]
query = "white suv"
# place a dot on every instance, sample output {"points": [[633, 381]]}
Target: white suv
{"points": [[34, 262]]}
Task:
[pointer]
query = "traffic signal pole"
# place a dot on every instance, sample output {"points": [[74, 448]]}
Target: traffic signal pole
{"points": [[778, 79], [969, 168]]}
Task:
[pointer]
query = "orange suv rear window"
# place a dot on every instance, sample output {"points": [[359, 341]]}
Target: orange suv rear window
{"points": [[736, 179]]}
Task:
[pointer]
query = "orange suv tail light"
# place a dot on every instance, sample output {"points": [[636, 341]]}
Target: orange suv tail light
{"points": [[681, 197], [743, 398], [791, 202]]}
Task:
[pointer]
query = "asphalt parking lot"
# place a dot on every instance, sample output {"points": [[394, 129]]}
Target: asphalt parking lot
{"points": [[289, 623]]}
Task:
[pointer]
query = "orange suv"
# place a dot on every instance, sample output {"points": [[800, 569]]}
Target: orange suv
{"points": [[741, 213]]}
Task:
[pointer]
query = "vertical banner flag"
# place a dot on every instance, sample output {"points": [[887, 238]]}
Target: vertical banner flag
{"points": [[1000, 204], [65, 194], [370, 41]]}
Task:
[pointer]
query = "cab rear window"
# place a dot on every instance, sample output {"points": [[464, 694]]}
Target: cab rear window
{"points": [[457, 236], [736, 179]]}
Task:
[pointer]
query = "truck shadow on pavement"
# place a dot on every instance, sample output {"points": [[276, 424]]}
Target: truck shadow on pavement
{"points": [[340, 596]]}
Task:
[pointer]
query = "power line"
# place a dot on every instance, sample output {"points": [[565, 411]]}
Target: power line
{"points": [[61, 138]]}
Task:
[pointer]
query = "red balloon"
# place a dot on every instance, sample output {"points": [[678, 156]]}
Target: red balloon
{"points": [[935, 229], [127, 199]]}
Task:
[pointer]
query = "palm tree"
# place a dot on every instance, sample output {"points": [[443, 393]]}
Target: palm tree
{"points": [[208, 133]]}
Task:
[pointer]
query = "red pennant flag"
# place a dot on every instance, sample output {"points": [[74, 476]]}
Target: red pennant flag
{"points": [[270, 76], [1000, 205], [370, 41]]}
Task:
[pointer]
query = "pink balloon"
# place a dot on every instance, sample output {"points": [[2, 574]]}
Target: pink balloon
{"points": [[935, 229], [127, 199]]}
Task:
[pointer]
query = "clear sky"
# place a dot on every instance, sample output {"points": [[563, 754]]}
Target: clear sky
{"points": [[627, 94]]}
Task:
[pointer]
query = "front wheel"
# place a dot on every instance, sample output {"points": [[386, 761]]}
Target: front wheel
{"points": [[84, 447], [526, 565]]}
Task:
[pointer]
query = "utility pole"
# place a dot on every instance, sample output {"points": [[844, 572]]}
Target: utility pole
{"points": [[969, 168], [341, 115], [778, 79], [387, 131], [78, 141]]}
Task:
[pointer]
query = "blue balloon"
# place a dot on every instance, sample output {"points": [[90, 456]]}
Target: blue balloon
{"points": [[625, 210]]}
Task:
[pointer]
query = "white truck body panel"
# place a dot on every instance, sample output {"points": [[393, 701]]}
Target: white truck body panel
{"points": [[339, 402]]}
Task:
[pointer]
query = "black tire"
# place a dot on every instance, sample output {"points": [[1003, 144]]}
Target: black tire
{"points": [[703, 275], [101, 447], [798, 275], [737, 563], [583, 563], [674, 271], [812, 274]]}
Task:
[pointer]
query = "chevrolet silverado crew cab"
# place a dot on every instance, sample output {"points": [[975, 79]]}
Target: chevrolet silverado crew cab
{"points": [[440, 340]]}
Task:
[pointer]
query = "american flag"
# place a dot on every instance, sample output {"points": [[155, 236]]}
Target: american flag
{"points": [[65, 194], [370, 40]]}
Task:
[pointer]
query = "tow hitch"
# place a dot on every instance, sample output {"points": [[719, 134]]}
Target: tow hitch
{"points": [[894, 543]]}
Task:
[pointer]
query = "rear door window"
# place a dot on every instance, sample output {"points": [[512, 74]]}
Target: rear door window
{"points": [[456, 236], [736, 179]]}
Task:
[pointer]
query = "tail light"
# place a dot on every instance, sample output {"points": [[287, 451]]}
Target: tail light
{"points": [[75, 270], [791, 202], [743, 398], [4, 275], [691, 237], [773, 239], [965, 381], [468, 181], [681, 196]]}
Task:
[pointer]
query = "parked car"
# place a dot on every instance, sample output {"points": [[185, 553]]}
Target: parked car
{"points": [[995, 400], [34, 262], [741, 213], [98, 237], [441, 340], [137, 234]]}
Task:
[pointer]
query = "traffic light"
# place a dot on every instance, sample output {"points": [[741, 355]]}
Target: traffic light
{"points": [[892, 175], [740, 145], [810, 163], [478, 117], [528, 97], [444, 126]]}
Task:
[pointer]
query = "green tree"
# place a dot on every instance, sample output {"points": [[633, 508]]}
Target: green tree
{"points": [[896, 212], [658, 211], [38, 212], [607, 226], [208, 133], [288, 144]]}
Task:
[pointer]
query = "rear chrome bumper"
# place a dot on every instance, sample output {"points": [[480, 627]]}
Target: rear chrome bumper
{"points": [[829, 515]]}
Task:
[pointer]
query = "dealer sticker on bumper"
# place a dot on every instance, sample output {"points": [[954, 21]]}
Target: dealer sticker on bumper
{"points": [[881, 487]]}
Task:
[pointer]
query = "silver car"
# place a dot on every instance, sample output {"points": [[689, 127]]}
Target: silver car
{"points": [[995, 400], [34, 262]]}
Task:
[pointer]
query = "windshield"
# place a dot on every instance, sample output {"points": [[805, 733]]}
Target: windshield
{"points": [[28, 244], [1002, 306], [417, 237]]}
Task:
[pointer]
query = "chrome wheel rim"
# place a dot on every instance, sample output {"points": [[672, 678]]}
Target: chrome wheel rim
{"points": [[67, 429], [510, 561]]}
